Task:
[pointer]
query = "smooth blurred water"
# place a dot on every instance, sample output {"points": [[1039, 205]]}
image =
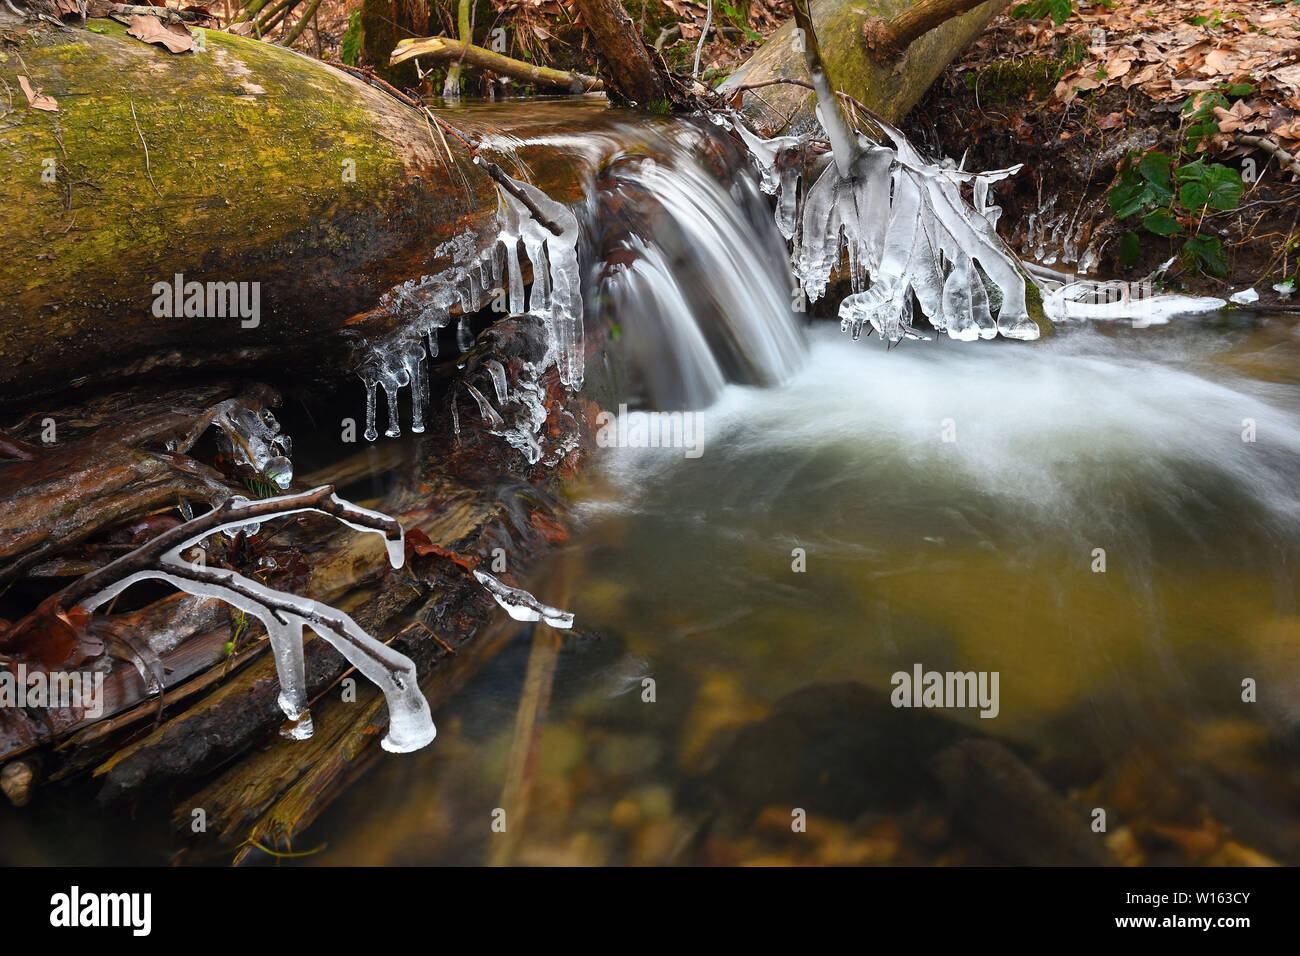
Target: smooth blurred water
{"points": [[1122, 688]]}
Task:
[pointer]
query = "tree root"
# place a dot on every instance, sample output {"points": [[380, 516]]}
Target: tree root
{"points": [[1267, 145]]}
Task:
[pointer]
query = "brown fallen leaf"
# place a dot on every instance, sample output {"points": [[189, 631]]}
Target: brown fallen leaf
{"points": [[36, 99], [1117, 68], [174, 36], [1112, 121]]}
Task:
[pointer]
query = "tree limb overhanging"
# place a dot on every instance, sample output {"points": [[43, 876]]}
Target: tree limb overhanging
{"points": [[889, 39]]}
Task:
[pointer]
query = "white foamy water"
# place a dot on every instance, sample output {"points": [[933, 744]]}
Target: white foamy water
{"points": [[1067, 431]]}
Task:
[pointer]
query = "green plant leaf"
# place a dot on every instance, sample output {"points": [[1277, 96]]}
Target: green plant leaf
{"points": [[1217, 185], [1193, 196], [1205, 255], [1162, 223], [1128, 200], [1155, 168]]}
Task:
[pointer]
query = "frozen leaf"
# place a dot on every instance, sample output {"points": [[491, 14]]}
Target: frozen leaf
{"points": [[174, 36], [36, 99]]}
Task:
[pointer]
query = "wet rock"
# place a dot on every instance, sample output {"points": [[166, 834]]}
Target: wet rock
{"points": [[628, 755], [18, 781], [834, 750], [1012, 810]]}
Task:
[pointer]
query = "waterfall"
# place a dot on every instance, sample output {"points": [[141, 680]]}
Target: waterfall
{"points": [[696, 279]]}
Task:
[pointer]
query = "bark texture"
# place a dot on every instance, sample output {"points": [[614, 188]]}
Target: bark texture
{"points": [[890, 89], [632, 72]]}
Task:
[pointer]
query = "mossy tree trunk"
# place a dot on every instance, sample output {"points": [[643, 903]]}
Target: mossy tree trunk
{"points": [[890, 88]]}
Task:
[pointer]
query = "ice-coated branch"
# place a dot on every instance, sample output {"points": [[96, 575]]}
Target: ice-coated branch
{"points": [[521, 605], [844, 146], [905, 227], [284, 615]]}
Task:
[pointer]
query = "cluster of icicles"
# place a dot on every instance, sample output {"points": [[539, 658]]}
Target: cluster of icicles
{"points": [[906, 231], [902, 222], [424, 305]]}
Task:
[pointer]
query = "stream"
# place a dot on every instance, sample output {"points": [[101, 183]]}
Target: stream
{"points": [[1100, 528], [1106, 520]]}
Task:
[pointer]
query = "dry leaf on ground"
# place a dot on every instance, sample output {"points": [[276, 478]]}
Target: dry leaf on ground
{"points": [[36, 99], [174, 36]]}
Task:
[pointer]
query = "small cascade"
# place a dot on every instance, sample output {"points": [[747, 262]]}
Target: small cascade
{"points": [[696, 279]]}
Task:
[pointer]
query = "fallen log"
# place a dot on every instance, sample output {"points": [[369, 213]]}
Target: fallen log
{"points": [[891, 88], [313, 191], [633, 74]]}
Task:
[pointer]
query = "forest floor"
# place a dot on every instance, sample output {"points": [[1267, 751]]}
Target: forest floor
{"points": [[1079, 103]]}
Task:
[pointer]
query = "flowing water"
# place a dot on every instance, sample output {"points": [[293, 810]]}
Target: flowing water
{"points": [[1106, 520]]}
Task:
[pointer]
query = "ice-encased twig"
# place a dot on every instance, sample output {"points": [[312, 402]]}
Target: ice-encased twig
{"points": [[521, 605], [284, 615]]}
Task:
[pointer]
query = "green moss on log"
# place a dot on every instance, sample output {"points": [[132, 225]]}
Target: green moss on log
{"points": [[247, 149]]}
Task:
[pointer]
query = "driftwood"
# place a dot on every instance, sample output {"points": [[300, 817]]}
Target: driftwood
{"points": [[443, 49]]}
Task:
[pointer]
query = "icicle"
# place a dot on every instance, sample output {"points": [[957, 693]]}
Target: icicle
{"points": [[958, 310], [287, 649], [556, 292], [499, 383], [521, 605], [464, 335], [485, 407], [369, 374], [392, 378], [516, 276], [413, 359]]}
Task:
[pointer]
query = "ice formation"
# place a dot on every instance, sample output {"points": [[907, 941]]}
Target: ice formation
{"points": [[521, 605], [285, 615], [249, 437], [1137, 302], [907, 233], [481, 271]]}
